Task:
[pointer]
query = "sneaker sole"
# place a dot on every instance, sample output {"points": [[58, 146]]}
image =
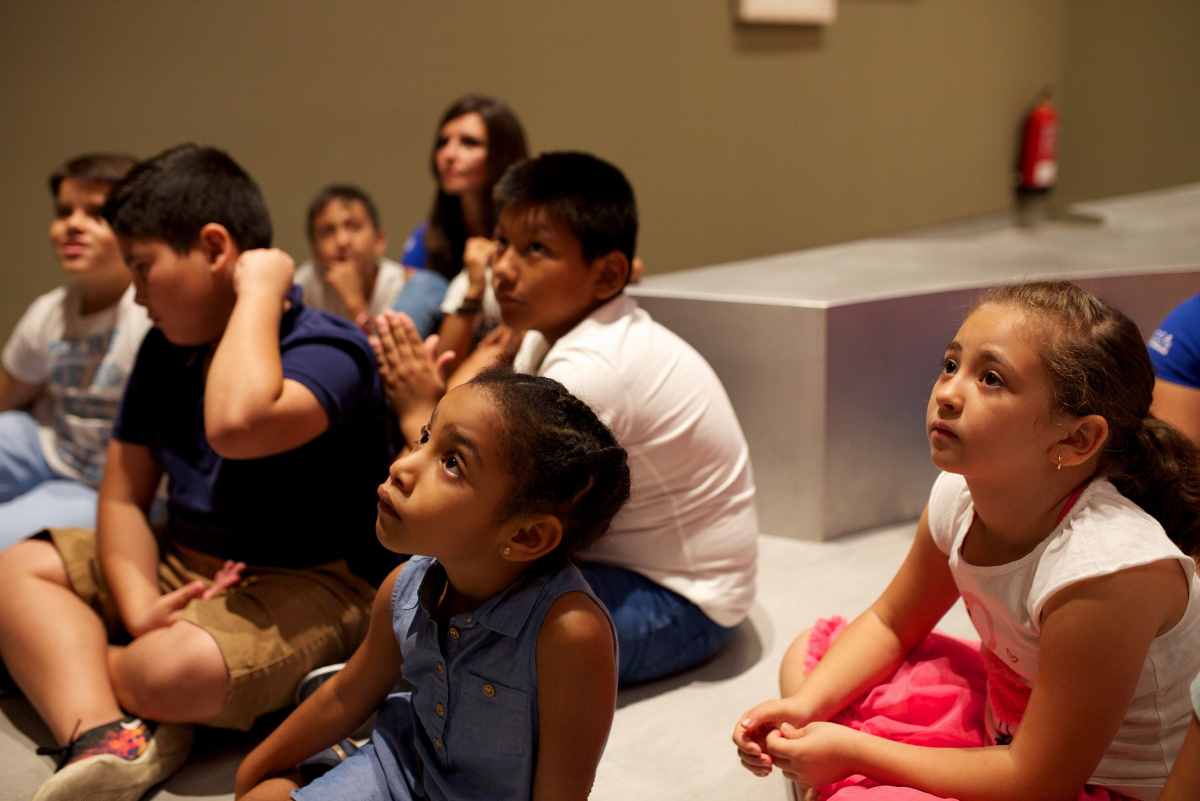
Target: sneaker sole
{"points": [[110, 778], [313, 676]]}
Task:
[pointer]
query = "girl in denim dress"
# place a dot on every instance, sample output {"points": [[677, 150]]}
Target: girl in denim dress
{"points": [[511, 659]]}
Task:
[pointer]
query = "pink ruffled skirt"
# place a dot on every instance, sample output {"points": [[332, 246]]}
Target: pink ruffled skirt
{"points": [[935, 698]]}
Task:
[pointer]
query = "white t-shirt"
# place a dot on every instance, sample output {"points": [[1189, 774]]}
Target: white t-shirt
{"points": [[690, 523], [389, 280], [1103, 533], [457, 291], [82, 362]]}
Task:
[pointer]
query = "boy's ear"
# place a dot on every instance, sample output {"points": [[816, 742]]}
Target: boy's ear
{"points": [[380, 244], [531, 537], [217, 245], [1084, 438], [611, 275]]}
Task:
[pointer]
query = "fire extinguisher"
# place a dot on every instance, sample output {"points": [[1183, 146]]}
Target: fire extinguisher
{"points": [[1037, 169]]}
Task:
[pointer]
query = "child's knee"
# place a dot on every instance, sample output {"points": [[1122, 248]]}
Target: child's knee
{"points": [[32, 558], [174, 673]]}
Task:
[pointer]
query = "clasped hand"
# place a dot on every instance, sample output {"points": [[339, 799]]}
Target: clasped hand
{"points": [[773, 735], [168, 607], [412, 373]]}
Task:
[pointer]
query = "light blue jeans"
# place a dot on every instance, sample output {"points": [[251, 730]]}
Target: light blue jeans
{"points": [[32, 495]]}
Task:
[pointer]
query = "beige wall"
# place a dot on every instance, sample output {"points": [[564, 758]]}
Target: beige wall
{"points": [[740, 141]]}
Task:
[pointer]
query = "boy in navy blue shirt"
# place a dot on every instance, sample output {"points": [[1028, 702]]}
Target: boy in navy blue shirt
{"points": [[269, 422]]}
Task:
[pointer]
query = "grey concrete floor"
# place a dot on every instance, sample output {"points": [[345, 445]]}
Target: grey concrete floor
{"points": [[670, 739]]}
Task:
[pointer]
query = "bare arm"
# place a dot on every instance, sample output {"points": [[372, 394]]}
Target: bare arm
{"points": [[455, 335], [338, 707], [1077, 705], [869, 649], [577, 694], [250, 409], [16, 394], [126, 546], [1184, 782], [1179, 406]]}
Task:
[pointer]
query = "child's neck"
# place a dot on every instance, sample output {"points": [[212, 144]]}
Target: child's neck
{"points": [[467, 589], [98, 292], [1012, 518]]}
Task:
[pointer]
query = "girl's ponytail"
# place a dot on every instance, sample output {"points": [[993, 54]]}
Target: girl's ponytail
{"points": [[1159, 470]]}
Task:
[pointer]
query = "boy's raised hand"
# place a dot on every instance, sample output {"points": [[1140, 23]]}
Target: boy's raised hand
{"points": [[477, 257], [264, 270], [347, 280]]}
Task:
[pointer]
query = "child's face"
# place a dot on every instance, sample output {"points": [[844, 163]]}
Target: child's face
{"points": [[461, 155], [990, 410], [541, 279], [444, 498], [82, 240], [181, 292], [343, 231]]}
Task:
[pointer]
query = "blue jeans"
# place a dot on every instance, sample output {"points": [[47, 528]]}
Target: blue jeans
{"points": [[421, 299], [659, 632], [32, 495]]}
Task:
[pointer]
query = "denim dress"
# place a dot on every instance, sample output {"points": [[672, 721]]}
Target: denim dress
{"points": [[468, 729]]}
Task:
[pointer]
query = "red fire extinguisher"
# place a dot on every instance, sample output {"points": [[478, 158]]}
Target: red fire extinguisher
{"points": [[1037, 169]]}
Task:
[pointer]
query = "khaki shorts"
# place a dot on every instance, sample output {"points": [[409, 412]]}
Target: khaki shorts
{"points": [[272, 628]]}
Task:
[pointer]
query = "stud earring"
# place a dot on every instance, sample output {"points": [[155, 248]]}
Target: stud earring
{"points": [[1059, 462], [507, 550]]}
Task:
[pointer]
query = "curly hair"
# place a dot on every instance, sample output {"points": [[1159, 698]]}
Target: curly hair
{"points": [[564, 460], [1097, 362]]}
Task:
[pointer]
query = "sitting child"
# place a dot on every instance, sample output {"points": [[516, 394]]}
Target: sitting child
{"points": [[1063, 520], [269, 422], [510, 657], [68, 358], [349, 276], [677, 570]]}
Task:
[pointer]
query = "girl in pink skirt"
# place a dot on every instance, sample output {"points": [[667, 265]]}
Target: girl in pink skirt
{"points": [[1065, 518]]}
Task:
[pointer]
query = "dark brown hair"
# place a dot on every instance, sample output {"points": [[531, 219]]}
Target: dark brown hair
{"points": [[92, 168], [1098, 364], [446, 235], [563, 459]]}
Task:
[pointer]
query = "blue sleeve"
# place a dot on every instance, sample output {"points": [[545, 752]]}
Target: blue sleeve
{"points": [[421, 300], [339, 378], [1175, 346], [414, 254], [136, 416]]}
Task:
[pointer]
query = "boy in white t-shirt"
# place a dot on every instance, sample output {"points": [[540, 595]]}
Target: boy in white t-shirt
{"points": [[349, 275], [67, 362], [677, 567]]}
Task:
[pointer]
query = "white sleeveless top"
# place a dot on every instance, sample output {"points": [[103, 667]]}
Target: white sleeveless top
{"points": [[1104, 532]]}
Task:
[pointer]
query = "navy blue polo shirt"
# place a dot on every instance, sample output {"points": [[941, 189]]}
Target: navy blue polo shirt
{"points": [[311, 505]]}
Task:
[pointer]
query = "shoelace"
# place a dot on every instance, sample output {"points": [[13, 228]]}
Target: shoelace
{"points": [[62, 753]]}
